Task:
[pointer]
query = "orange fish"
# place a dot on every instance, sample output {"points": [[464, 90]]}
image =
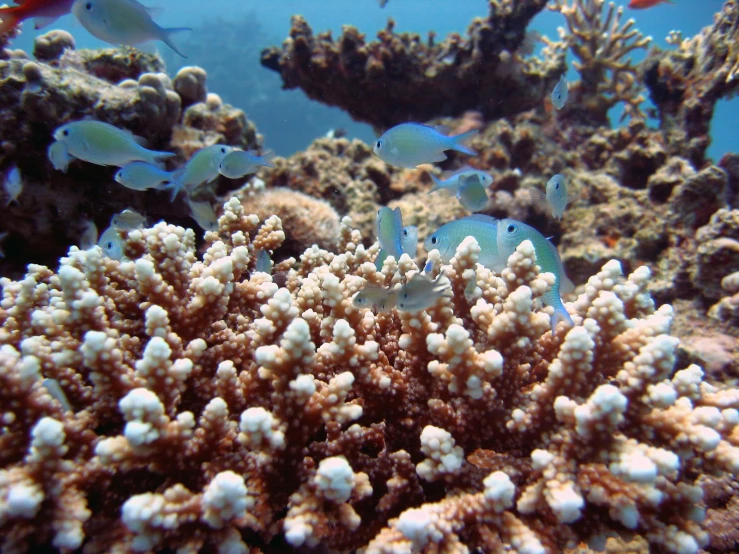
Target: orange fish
{"points": [[43, 11], [644, 4]]}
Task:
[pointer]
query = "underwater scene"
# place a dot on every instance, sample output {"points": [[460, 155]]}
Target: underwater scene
{"points": [[369, 276]]}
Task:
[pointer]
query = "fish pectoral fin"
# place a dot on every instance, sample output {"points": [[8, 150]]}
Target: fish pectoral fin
{"points": [[539, 197], [571, 198], [41, 22], [438, 157]]}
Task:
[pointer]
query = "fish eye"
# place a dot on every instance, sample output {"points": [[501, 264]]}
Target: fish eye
{"points": [[88, 6], [65, 132], [405, 232], [510, 229], [379, 144], [109, 245], [556, 186], [434, 240], [223, 150]]}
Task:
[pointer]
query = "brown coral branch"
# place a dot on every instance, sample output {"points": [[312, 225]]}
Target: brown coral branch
{"points": [[400, 77]]}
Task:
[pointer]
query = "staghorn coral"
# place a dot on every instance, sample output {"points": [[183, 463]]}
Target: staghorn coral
{"points": [[216, 411], [400, 77], [601, 45], [686, 83], [124, 87]]}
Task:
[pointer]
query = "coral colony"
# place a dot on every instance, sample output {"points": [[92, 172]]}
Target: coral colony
{"points": [[222, 391]]}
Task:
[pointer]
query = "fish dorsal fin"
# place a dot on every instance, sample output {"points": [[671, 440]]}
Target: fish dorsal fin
{"points": [[482, 218], [141, 141], [463, 169], [398, 217]]}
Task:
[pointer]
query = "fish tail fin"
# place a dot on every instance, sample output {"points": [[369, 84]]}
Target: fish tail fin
{"points": [[158, 157], [9, 19], [174, 187], [560, 314], [267, 158], [458, 142], [437, 183], [167, 38]]}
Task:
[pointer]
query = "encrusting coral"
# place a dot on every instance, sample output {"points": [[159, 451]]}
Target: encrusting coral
{"points": [[400, 77], [214, 410]]}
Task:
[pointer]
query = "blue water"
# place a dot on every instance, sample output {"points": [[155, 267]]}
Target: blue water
{"points": [[289, 121]]}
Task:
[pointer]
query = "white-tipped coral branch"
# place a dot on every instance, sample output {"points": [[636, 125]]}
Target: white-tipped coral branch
{"points": [[215, 410]]}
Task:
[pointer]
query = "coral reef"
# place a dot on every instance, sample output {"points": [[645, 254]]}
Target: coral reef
{"points": [[124, 87], [306, 220], [601, 45], [400, 77], [344, 173], [686, 83], [205, 400]]}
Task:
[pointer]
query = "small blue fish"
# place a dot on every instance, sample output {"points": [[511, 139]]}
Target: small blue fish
{"points": [[13, 185], [560, 93], [103, 144], [127, 220], [59, 156], [452, 182], [375, 296], [511, 233], [203, 214], [203, 166], [420, 292], [122, 22], [412, 144], [557, 196], [409, 240], [408, 245], [472, 194], [389, 227], [239, 163], [143, 176], [111, 243], [429, 267], [483, 228], [264, 262]]}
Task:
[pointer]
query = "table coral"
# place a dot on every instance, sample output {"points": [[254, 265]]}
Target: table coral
{"points": [[215, 410], [400, 77]]}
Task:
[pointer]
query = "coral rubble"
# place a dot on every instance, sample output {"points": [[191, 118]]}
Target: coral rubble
{"points": [[400, 77], [212, 409]]}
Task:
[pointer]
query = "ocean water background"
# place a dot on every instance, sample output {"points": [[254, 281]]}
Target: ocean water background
{"points": [[229, 35]]}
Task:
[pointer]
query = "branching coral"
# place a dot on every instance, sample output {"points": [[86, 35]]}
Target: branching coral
{"points": [[602, 46], [686, 83], [400, 77], [215, 410]]}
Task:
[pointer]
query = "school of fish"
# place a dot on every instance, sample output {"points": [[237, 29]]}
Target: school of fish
{"points": [[408, 145]]}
